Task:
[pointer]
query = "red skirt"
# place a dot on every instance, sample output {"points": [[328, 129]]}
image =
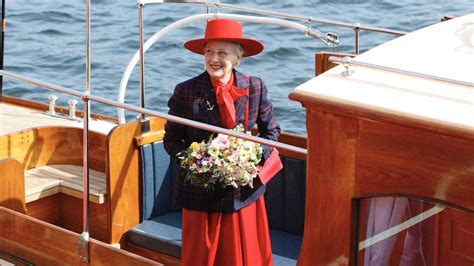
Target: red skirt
{"points": [[238, 238]]}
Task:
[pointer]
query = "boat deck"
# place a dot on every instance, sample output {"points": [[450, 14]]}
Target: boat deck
{"points": [[432, 102], [15, 119]]}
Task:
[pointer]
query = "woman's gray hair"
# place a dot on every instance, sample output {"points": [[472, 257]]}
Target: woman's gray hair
{"points": [[239, 50]]}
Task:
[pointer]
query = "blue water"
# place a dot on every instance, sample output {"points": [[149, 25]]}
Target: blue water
{"points": [[45, 39]]}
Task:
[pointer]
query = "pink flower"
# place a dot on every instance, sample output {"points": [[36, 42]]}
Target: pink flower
{"points": [[221, 142]]}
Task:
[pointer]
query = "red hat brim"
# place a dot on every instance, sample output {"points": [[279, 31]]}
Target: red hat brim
{"points": [[251, 47]]}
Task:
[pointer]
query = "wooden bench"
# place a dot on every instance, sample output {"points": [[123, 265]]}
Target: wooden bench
{"points": [[52, 179], [160, 227]]}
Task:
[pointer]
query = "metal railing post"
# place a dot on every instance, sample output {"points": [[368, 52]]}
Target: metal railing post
{"points": [[142, 59], [83, 242], [2, 50], [88, 47], [356, 29], [85, 161]]}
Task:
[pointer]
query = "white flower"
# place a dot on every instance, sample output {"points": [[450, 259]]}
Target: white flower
{"points": [[213, 151], [224, 160]]}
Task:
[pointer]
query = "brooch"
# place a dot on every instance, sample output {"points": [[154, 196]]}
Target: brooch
{"points": [[210, 107]]}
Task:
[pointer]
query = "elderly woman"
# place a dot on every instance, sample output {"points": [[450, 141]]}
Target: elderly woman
{"points": [[222, 226]]}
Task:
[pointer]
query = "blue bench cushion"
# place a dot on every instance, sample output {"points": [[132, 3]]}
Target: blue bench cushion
{"points": [[159, 172], [163, 234], [285, 247]]}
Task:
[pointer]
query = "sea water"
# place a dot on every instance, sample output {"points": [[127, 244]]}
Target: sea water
{"points": [[45, 40]]}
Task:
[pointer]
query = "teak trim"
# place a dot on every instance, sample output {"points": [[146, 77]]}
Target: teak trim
{"points": [[12, 188], [46, 244], [124, 174]]}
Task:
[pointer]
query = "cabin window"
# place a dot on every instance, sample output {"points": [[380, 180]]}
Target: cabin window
{"points": [[407, 231]]}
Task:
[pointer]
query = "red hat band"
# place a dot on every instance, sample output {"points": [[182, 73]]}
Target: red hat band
{"points": [[224, 30]]}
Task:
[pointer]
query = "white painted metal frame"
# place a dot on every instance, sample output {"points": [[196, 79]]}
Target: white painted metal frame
{"points": [[192, 20]]}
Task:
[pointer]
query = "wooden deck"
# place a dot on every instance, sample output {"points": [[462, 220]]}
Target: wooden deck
{"points": [[15, 119], [41, 157]]}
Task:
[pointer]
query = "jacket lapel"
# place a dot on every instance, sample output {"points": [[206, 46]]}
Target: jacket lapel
{"points": [[241, 103], [208, 104]]}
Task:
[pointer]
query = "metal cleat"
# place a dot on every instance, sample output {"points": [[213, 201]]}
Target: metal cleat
{"points": [[52, 105], [72, 109]]}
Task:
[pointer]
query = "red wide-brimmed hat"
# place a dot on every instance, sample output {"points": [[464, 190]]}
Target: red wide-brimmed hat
{"points": [[228, 31]]}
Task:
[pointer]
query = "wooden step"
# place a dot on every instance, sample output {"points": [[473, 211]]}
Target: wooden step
{"points": [[47, 180]]}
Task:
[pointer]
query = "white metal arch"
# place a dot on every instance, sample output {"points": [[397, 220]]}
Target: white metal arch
{"points": [[204, 17]]}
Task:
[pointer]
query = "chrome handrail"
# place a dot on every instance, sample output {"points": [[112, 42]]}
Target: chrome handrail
{"points": [[310, 19], [40, 83], [347, 61], [200, 125], [356, 27], [278, 14], [168, 117]]}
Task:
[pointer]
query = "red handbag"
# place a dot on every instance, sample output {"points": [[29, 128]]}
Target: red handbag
{"points": [[271, 167]]}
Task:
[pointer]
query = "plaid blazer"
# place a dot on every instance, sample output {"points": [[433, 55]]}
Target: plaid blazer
{"points": [[195, 99]]}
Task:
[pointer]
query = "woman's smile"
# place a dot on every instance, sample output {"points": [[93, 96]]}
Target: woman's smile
{"points": [[220, 58], [215, 66]]}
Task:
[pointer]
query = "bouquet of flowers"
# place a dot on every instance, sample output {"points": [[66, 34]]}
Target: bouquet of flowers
{"points": [[223, 160]]}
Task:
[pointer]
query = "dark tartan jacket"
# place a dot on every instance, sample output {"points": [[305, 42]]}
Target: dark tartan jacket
{"points": [[195, 99]]}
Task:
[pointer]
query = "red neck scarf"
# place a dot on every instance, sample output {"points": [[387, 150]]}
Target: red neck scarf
{"points": [[226, 95]]}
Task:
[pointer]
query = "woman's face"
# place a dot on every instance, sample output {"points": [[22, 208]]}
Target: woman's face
{"points": [[220, 58]]}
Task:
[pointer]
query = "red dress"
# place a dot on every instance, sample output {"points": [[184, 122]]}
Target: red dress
{"points": [[217, 238]]}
